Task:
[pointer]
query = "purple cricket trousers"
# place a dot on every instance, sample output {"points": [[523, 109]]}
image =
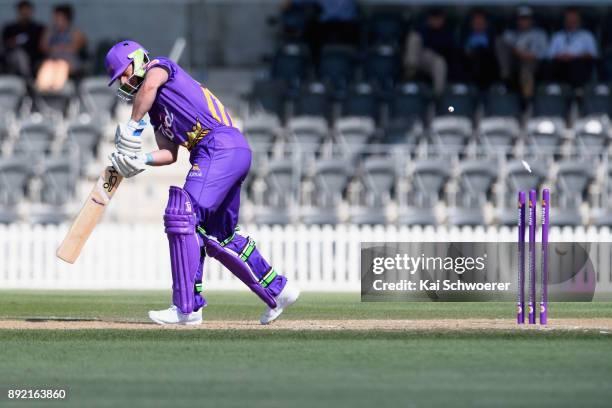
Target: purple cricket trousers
{"points": [[220, 163]]}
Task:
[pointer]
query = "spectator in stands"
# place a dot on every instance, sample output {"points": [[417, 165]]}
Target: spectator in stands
{"points": [[430, 49], [521, 50], [572, 51], [336, 22], [479, 50], [62, 42], [21, 40]]}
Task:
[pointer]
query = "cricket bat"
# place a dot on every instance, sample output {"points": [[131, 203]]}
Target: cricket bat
{"points": [[90, 214]]}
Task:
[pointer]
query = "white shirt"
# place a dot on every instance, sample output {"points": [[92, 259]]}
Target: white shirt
{"points": [[533, 41], [575, 43]]}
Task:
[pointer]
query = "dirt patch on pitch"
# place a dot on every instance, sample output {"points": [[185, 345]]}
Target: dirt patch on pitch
{"points": [[603, 325]]}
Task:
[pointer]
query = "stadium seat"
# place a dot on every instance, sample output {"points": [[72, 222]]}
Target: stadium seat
{"points": [[337, 67], [313, 100], [262, 131], [427, 179], [552, 100], [87, 135], [544, 136], [290, 64], [500, 101], [58, 178], [572, 180], [473, 186], [273, 204], [498, 134], [514, 178], [591, 135], [386, 27], [268, 96], [56, 102], [14, 174], [309, 133], [12, 91], [382, 66], [402, 131], [601, 214], [362, 100], [35, 138], [330, 178], [6, 125], [97, 97], [461, 97], [377, 181], [450, 134], [410, 100], [597, 100], [353, 135]]}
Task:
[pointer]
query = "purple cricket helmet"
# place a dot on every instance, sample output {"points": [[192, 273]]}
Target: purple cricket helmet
{"points": [[119, 57]]}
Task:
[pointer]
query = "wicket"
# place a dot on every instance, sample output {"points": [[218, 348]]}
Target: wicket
{"points": [[520, 314], [532, 222]]}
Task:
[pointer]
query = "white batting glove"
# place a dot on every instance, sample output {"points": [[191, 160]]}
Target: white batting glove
{"points": [[129, 166], [128, 138]]}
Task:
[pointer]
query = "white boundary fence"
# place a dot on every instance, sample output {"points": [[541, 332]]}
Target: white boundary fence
{"points": [[122, 256]]}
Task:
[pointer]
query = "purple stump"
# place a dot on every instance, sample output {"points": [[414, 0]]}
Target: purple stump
{"points": [[520, 306], [545, 223], [533, 200]]}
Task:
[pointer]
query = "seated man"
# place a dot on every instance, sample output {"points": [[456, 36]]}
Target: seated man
{"points": [[21, 41], [520, 51], [480, 63], [430, 49], [572, 51]]}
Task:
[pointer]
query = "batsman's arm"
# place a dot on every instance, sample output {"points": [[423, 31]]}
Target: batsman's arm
{"points": [[145, 97], [167, 153]]}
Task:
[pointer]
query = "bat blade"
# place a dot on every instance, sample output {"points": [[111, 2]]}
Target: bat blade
{"points": [[91, 212]]}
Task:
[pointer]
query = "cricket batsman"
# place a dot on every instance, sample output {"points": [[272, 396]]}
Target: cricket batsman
{"points": [[201, 217]]}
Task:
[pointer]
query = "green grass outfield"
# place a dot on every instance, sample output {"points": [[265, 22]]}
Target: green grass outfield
{"points": [[276, 368]]}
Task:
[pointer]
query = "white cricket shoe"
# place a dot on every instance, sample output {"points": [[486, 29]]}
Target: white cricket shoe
{"points": [[173, 315], [286, 298]]}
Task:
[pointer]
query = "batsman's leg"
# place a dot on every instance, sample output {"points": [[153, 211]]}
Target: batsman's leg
{"points": [[185, 253]]}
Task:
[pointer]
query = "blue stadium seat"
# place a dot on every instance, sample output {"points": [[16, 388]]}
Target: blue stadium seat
{"points": [[386, 27], [461, 97], [290, 64], [362, 100], [313, 100], [337, 67], [597, 100], [268, 96], [410, 100], [552, 100], [500, 101], [382, 66]]}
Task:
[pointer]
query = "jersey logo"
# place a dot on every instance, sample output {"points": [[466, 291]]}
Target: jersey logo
{"points": [[166, 120], [197, 133]]}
